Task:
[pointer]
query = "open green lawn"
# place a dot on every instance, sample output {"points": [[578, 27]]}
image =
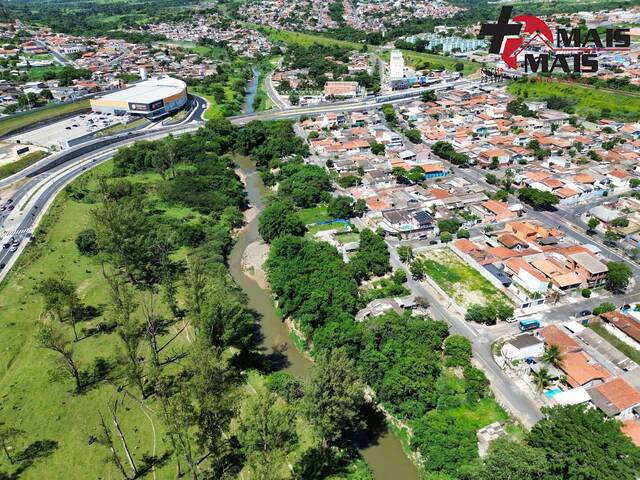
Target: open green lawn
{"points": [[421, 60], [628, 350], [460, 281], [24, 161], [348, 237], [314, 215], [48, 410], [216, 109], [621, 106], [14, 122], [306, 39], [313, 229]]}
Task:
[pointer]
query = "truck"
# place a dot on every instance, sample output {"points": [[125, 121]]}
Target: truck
{"points": [[526, 325]]}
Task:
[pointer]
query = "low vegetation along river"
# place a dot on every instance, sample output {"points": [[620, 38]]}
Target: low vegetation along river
{"points": [[386, 457]]}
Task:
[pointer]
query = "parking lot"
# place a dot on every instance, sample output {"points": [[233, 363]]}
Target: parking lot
{"points": [[57, 135]]}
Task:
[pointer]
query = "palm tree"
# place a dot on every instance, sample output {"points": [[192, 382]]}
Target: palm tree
{"points": [[553, 356], [541, 378]]}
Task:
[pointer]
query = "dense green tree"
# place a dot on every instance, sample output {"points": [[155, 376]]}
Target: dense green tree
{"points": [[334, 398], [400, 359], [537, 198], [457, 350], [603, 308], [593, 224], [377, 148], [277, 219], [429, 96], [305, 185], [445, 442], [580, 443], [476, 384], [225, 320], [414, 135], [445, 150], [448, 225], [509, 460], [618, 276], [311, 282], [341, 207], [372, 257]]}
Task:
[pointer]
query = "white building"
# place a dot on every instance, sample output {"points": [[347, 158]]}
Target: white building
{"points": [[396, 65], [522, 347]]}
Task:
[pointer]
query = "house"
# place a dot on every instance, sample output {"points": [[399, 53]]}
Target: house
{"points": [[622, 326], [592, 269], [574, 396], [583, 371], [619, 179], [616, 398], [605, 214], [552, 335], [522, 347]]}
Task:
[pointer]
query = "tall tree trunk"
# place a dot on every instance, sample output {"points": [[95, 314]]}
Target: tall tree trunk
{"points": [[127, 452], [73, 368], [6, 452], [114, 453]]}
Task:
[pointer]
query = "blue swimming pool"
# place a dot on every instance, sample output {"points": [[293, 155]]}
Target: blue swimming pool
{"points": [[552, 391]]}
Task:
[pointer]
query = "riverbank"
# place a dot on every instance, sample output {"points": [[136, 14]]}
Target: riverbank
{"points": [[385, 455], [253, 259]]}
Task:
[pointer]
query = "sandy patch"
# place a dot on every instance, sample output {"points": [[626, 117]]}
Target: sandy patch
{"points": [[250, 215], [253, 260]]}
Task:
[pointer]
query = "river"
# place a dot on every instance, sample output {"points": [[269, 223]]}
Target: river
{"points": [[385, 458], [251, 91]]}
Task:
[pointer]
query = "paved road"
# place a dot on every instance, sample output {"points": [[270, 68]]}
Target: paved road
{"points": [[275, 97], [346, 106], [57, 55]]}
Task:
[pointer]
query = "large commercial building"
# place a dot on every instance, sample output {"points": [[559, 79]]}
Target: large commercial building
{"points": [[151, 98], [396, 65]]}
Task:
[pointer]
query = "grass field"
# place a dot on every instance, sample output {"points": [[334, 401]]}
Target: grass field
{"points": [[619, 106], [216, 109], [314, 215], [15, 122], [628, 350], [24, 161], [48, 410], [313, 229], [418, 60], [306, 39], [460, 281]]}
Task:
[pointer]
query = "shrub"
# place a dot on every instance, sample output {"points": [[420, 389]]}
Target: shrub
{"points": [[87, 242]]}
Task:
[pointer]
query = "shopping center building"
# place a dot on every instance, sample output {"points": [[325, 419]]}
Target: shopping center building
{"points": [[150, 98]]}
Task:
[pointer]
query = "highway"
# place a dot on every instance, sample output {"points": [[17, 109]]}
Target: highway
{"points": [[276, 98]]}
